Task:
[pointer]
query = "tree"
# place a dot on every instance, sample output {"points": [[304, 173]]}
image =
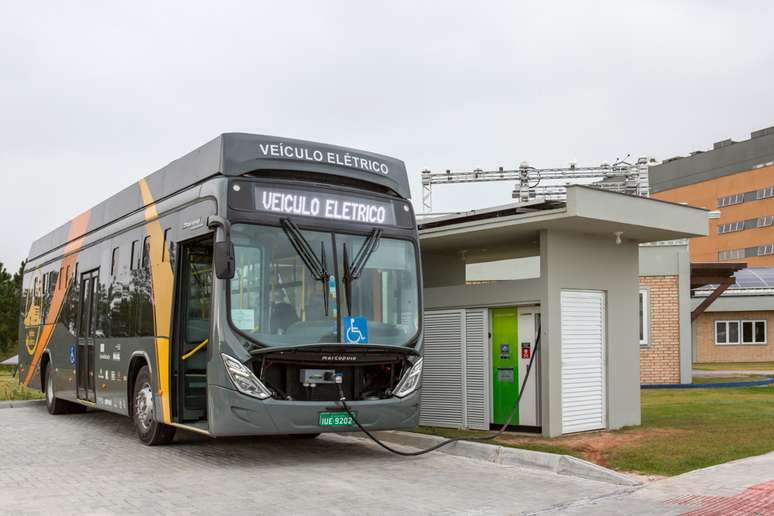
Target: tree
{"points": [[10, 301]]}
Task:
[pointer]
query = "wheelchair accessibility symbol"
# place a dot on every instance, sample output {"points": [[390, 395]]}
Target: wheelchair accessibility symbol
{"points": [[356, 330]]}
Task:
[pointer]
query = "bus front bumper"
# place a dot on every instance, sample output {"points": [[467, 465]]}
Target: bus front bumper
{"points": [[233, 413]]}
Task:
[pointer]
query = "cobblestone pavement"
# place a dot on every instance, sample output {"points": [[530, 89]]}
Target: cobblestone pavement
{"points": [[93, 464]]}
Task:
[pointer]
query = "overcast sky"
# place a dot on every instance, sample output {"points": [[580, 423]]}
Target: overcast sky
{"points": [[95, 95]]}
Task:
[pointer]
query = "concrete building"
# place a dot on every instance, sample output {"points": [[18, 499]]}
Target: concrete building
{"points": [[736, 178], [568, 272], [739, 325]]}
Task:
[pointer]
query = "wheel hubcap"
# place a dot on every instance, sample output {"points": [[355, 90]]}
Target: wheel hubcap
{"points": [[144, 407]]}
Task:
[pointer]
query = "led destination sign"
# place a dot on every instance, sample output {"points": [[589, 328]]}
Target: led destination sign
{"points": [[324, 205]]}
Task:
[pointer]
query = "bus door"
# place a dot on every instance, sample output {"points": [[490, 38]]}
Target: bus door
{"points": [[86, 330], [193, 329]]}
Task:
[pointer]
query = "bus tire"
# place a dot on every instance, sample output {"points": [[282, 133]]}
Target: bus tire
{"points": [[149, 430], [53, 404]]}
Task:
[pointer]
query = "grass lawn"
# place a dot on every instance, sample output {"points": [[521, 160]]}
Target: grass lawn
{"points": [[728, 379], [735, 366], [11, 390], [682, 430]]}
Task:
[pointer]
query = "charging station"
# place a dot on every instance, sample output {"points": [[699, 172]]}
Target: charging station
{"points": [[512, 344], [570, 267]]}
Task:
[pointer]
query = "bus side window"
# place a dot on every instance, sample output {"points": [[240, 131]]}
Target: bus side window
{"points": [[166, 251], [146, 258], [134, 258], [114, 261]]}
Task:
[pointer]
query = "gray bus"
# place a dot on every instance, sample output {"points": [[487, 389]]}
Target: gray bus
{"points": [[240, 290]]}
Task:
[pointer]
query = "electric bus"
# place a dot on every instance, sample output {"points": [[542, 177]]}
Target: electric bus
{"points": [[243, 289]]}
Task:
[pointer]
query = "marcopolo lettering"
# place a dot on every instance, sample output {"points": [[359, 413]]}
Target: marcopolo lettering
{"points": [[301, 153], [327, 206]]}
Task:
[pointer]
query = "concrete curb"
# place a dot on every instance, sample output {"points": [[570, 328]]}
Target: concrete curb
{"points": [[560, 464], [20, 403]]}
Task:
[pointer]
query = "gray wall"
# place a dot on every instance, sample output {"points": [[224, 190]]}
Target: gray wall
{"points": [[585, 262], [440, 270], [727, 303], [499, 293], [569, 260]]}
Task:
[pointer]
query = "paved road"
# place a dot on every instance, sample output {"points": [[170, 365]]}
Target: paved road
{"points": [[92, 463]]}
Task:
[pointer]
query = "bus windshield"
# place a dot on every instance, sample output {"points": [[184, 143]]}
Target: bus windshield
{"points": [[277, 300]]}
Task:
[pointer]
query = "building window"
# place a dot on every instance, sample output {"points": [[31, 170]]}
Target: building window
{"points": [[764, 250], [741, 225], [731, 254], [753, 332], [764, 193], [644, 317], [766, 220], [726, 332], [730, 227], [739, 198], [730, 200], [740, 332]]}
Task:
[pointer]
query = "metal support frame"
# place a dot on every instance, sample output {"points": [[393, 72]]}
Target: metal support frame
{"points": [[547, 183], [727, 282]]}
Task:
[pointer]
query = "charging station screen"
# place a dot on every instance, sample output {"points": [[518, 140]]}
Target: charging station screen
{"points": [[324, 205]]}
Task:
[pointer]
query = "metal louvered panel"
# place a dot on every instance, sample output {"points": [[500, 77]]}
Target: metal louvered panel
{"points": [[477, 369], [583, 360], [442, 373]]}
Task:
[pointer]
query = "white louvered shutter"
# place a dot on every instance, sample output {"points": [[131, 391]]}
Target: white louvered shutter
{"points": [[442, 401], [583, 360], [477, 369]]}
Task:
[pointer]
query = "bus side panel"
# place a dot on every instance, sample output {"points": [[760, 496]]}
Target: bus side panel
{"points": [[118, 319], [44, 300], [62, 348], [44, 318]]}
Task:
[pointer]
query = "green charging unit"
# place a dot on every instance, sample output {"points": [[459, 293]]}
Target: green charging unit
{"points": [[505, 366]]}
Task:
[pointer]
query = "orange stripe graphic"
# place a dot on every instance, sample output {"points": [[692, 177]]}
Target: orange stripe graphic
{"points": [[161, 281], [77, 227]]}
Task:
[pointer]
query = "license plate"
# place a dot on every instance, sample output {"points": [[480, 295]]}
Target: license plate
{"points": [[335, 419]]}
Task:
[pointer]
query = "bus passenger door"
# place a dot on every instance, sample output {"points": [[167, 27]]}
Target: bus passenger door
{"points": [[86, 329], [193, 329]]}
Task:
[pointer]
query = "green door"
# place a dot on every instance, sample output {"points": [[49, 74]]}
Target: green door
{"points": [[505, 382]]}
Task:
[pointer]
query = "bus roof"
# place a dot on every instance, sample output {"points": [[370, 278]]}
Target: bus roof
{"points": [[235, 154]]}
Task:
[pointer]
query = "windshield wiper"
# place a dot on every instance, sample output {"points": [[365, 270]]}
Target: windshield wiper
{"points": [[318, 267], [353, 271]]}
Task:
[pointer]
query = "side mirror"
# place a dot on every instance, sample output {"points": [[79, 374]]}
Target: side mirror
{"points": [[225, 263]]}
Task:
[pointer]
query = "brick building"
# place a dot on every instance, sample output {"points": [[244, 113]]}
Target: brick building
{"points": [[737, 327], [665, 325], [660, 349]]}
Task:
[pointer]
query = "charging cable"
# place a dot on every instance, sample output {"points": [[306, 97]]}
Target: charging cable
{"points": [[343, 401]]}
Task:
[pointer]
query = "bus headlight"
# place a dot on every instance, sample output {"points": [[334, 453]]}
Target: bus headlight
{"points": [[410, 381], [244, 379]]}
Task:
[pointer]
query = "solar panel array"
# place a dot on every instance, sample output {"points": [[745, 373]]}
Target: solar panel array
{"points": [[755, 277]]}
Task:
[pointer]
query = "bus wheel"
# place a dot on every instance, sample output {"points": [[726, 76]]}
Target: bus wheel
{"points": [[150, 431], [54, 404]]}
